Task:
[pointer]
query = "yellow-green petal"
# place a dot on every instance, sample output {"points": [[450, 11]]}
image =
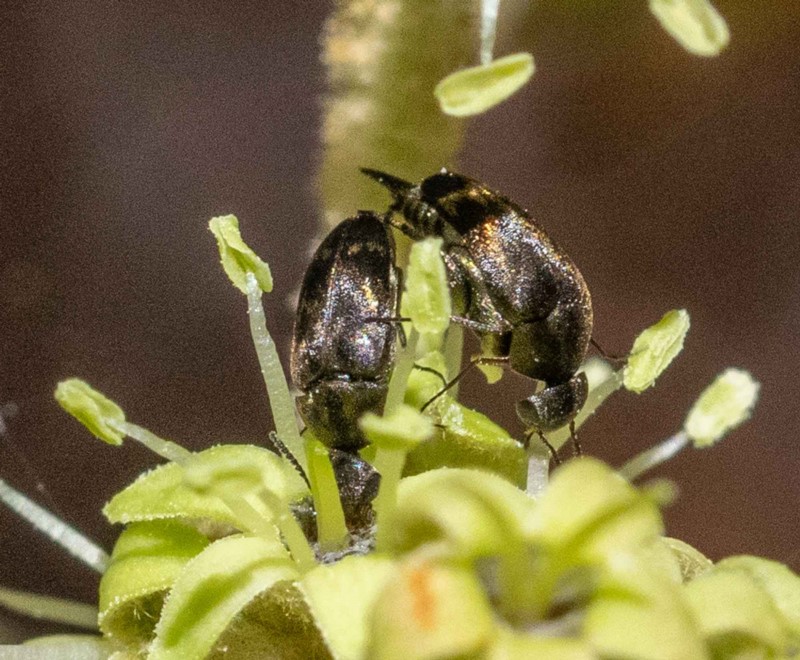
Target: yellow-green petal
{"points": [[590, 511], [356, 581], [511, 645], [233, 472], [147, 559], [236, 256], [213, 588], [654, 350], [96, 412], [475, 90], [469, 439], [723, 405], [639, 612], [469, 512], [694, 24], [691, 561], [274, 625], [780, 583], [737, 616], [428, 611], [163, 492]]}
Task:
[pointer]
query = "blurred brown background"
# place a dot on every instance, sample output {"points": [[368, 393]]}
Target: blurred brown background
{"points": [[673, 181]]}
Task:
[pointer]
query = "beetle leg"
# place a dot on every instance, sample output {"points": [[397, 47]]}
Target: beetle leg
{"points": [[477, 326], [574, 435], [552, 450], [471, 299], [474, 362], [401, 333], [396, 321], [618, 359], [433, 371]]}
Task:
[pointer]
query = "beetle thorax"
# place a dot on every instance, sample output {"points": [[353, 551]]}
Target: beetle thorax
{"points": [[424, 219]]}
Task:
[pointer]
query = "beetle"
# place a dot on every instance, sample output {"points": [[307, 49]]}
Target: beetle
{"points": [[343, 346], [510, 282]]}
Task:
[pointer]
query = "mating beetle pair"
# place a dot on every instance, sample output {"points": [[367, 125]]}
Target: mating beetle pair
{"points": [[509, 282]]}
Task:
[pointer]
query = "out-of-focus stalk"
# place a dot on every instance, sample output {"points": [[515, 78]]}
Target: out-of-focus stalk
{"points": [[383, 59]]}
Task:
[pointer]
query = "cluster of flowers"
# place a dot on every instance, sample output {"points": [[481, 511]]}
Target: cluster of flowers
{"points": [[476, 551]]}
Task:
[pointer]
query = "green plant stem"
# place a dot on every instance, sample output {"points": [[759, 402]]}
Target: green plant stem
{"points": [[55, 529], [654, 456], [164, 448], [332, 531], [402, 370], [489, 9], [243, 510], [50, 609], [280, 398], [292, 533], [389, 463], [383, 59], [453, 353], [297, 542], [538, 469]]}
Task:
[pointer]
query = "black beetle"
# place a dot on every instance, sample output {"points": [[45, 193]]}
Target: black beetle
{"points": [[344, 345], [510, 283]]}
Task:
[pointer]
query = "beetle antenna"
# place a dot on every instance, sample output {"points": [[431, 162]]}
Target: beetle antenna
{"points": [[395, 185], [282, 450]]}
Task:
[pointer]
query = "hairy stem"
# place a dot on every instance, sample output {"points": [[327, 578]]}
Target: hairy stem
{"points": [[654, 456], [55, 529], [280, 398]]}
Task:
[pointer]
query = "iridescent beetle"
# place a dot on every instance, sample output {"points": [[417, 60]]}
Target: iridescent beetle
{"points": [[344, 345], [510, 283]]}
